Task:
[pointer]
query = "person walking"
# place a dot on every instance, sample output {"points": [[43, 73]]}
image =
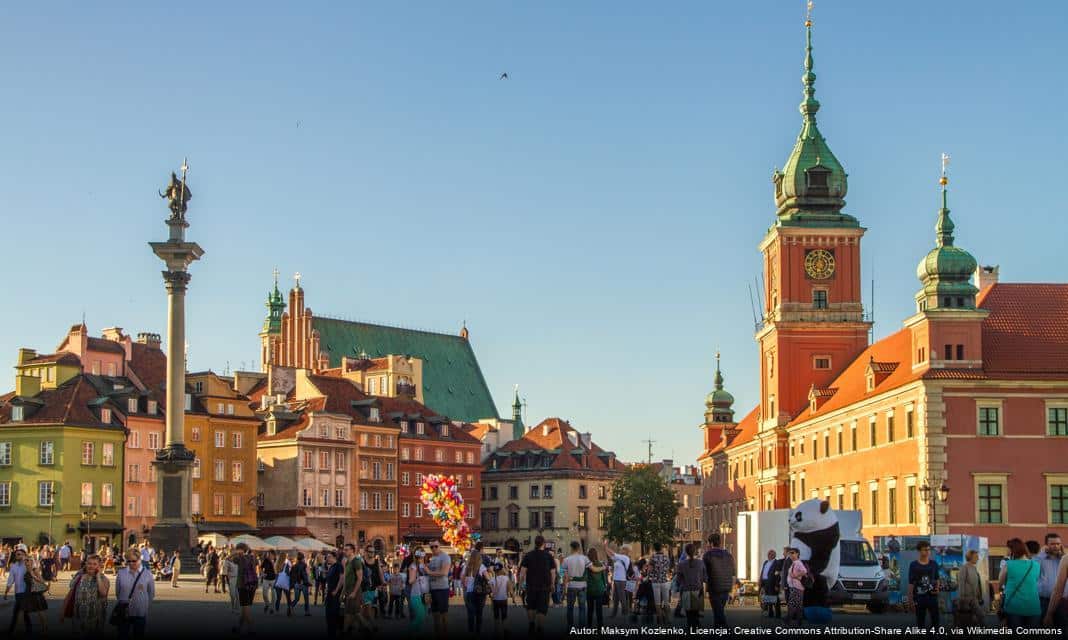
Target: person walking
{"points": [[597, 587], [691, 577], [224, 573], [621, 563], [282, 583], [796, 577], [1049, 560], [87, 599], [770, 579], [267, 578], [333, 583], [538, 571], [17, 572], [719, 567], [438, 567], [135, 589], [298, 579], [924, 586], [476, 586], [1020, 577], [419, 588], [372, 580], [176, 568], [1056, 615], [245, 566], [65, 553], [212, 578], [659, 565], [574, 569], [229, 579], [500, 589], [968, 609], [318, 565], [36, 602]]}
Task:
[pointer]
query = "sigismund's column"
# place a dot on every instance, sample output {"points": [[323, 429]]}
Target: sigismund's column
{"points": [[174, 463]]}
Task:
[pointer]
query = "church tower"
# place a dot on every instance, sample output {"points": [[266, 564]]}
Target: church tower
{"points": [[272, 324], [813, 320]]}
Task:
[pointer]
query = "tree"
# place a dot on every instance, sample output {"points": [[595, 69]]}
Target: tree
{"points": [[643, 508]]}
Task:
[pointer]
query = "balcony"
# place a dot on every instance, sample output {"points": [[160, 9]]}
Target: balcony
{"points": [[405, 389]]}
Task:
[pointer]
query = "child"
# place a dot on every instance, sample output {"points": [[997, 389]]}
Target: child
{"points": [[397, 580], [500, 583]]}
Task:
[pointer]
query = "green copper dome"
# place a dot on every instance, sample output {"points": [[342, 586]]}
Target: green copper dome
{"points": [[275, 306], [811, 187], [946, 271], [719, 402]]}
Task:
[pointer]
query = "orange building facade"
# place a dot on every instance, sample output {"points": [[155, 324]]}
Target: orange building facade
{"points": [[957, 422]]}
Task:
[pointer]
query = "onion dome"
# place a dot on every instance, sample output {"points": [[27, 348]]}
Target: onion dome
{"points": [[275, 306], [811, 187], [720, 401], [946, 271]]}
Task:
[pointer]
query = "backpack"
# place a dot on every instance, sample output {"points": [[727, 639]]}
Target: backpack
{"points": [[596, 583], [481, 586]]}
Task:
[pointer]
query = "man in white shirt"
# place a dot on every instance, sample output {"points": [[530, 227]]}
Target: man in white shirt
{"points": [[620, 571], [135, 586], [16, 577], [64, 556], [574, 569]]}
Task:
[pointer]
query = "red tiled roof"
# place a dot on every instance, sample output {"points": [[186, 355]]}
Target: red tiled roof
{"points": [[552, 434], [61, 357], [745, 431], [1026, 333], [103, 344], [852, 384], [68, 404], [477, 430], [149, 364]]}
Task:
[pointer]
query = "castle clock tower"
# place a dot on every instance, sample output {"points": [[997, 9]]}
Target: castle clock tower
{"points": [[813, 320]]}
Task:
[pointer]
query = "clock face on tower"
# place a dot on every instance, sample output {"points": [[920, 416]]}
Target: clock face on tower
{"points": [[819, 264]]}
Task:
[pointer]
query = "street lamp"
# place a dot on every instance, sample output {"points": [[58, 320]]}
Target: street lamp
{"points": [[198, 518], [932, 497], [725, 528], [89, 516]]}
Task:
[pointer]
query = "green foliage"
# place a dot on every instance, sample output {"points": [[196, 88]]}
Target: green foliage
{"points": [[643, 508]]}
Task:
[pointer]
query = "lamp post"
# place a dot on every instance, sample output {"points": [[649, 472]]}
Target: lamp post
{"points": [[51, 511], [89, 516], [725, 530], [932, 497]]}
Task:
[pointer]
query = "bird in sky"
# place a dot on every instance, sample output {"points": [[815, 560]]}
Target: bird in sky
{"points": [[504, 76]]}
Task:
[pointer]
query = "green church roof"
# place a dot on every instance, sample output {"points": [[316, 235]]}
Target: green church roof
{"points": [[452, 380], [810, 189], [946, 270]]}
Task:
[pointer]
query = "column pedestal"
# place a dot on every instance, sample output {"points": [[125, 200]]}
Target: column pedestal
{"points": [[174, 528]]}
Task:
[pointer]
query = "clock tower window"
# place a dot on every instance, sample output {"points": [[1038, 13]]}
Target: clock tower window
{"points": [[819, 298]]}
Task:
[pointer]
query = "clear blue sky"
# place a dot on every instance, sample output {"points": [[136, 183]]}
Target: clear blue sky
{"points": [[595, 218]]}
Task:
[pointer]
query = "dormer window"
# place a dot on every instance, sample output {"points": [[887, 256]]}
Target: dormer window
{"points": [[374, 417], [105, 415], [152, 407], [272, 427], [131, 405], [817, 178], [403, 424], [444, 430], [198, 387], [870, 382], [420, 428], [18, 413]]}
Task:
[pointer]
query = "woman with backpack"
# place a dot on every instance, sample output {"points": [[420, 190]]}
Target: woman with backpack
{"points": [[798, 579], [596, 577], [476, 586], [267, 577], [691, 577]]}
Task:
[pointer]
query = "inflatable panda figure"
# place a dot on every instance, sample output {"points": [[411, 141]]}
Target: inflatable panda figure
{"points": [[814, 532]]}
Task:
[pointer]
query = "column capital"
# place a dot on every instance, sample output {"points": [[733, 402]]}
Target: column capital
{"points": [[176, 281]]}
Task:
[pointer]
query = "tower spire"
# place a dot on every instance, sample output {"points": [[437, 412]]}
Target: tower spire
{"points": [[944, 227], [946, 270], [809, 106], [718, 380]]}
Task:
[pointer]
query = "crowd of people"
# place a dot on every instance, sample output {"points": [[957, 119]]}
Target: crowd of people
{"points": [[359, 588]]}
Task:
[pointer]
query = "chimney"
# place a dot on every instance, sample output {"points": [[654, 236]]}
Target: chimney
{"points": [[545, 429], [25, 355], [985, 276], [113, 333], [151, 340], [587, 440], [572, 437]]}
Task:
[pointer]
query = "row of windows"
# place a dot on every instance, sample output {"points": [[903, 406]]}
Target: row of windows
{"points": [[537, 519], [46, 453], [440, 455], [373, 470], [219, 503], [327, 497], [406, 511], [325, 457], [683, 524], [405, 480], [990, 420], [46, 494], [541, 491]]}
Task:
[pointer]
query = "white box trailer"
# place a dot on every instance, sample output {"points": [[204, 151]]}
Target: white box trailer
{"points": [[860, 579]]}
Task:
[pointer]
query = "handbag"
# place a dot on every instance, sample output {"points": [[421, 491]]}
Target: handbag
{"points": [[68, 600], [1005, 601], [120, 612]]}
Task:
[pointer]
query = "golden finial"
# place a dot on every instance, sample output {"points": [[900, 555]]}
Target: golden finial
{"points": [[808, 13], [944, 180]]}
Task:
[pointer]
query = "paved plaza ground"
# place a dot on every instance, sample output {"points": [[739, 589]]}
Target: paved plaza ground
{"points": [[190, 613]]}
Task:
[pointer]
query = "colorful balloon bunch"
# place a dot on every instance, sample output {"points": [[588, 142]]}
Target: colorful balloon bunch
{"points": [[442, 499]]}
